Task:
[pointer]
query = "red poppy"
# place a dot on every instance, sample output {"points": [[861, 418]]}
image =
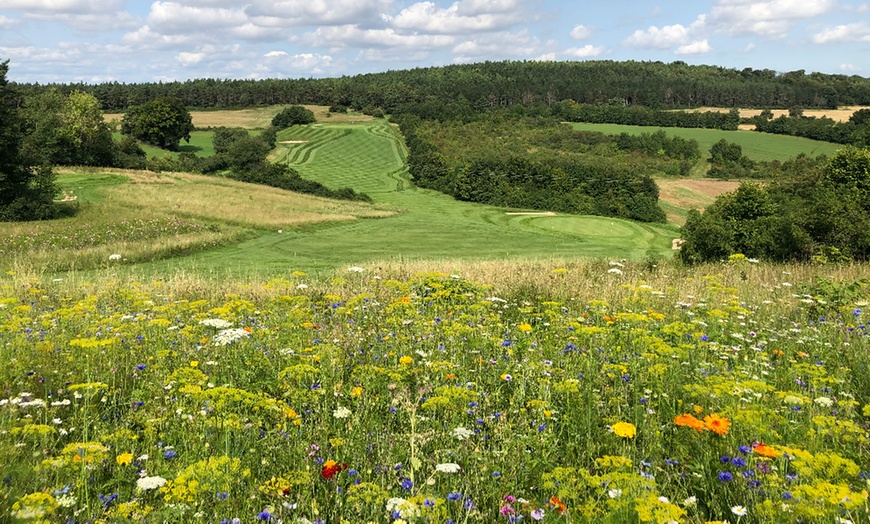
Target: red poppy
{"points": [[330, 468]]}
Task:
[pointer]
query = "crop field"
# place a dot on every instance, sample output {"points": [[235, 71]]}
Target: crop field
{"points": [[257, 117], [756, 146], [584, 392]]}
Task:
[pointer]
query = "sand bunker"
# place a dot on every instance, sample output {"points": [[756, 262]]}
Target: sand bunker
{"points": [[533, 213], [293, 141]]}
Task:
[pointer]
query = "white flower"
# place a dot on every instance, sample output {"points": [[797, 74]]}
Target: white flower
{"points": [[793, 400], [356, 269], [664, 500], [825, 402], [58, 403], [406, 508], [614, 263], [341, 412], [67, 500], [495, 299], [114, 256], [738, 510], [614, 493], [462, 433], [302, 286], [218, 323], [148, 483], [614, 271], [225, 337], [691, 501], [448, 467]]}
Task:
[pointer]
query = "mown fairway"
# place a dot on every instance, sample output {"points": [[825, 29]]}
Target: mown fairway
{"points": [[370, 158], [757, 146]]}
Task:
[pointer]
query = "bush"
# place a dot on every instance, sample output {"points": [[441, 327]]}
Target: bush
{"points": [[292, 116]]}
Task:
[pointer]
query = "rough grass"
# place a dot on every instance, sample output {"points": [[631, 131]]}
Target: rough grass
{"points": [[257, 117], [678, 196]]}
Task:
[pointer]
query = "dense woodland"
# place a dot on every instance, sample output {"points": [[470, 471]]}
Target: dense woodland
{"points": [[500, 84]]}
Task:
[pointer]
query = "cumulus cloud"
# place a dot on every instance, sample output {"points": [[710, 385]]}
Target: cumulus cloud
{"points": [[581, 32], [461, 17], [848, 67], [171, 18], [282, 13], [63, 6], [856, 32], [354, 36], [587, 51], [695, 48], [189, 59], [769, 18], [659, 38], [7, 22], [512, 45]]}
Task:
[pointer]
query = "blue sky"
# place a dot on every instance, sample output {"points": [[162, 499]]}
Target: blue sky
{"points": [[135, 41]]}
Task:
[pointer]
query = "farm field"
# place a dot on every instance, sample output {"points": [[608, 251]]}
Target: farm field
{"points": [[256, 117], [756, 146]]}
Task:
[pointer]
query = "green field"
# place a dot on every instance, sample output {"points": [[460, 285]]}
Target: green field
{"points": [[430, 225], [756, 146]]}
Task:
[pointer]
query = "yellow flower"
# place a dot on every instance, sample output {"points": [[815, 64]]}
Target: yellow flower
{"points": [[194, 363], [355, 392], [525, 328], [624, 430], [405, 360], [124, 459]]}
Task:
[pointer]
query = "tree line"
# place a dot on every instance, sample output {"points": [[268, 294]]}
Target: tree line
{"points": [[818, 210], [488, 85], [539, 163]]}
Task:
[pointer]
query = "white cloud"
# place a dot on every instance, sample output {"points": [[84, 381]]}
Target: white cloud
{"points": [[695, 48], [354, 36], [189, 59], [770, 18], [546, 57], [283, 13], [274, 54], [667, 36], [172, 18], [145, 38], [57, 7], [848, 67], [856, 32], [587, 51], [581, 32], [518, 45], [461, 17]]}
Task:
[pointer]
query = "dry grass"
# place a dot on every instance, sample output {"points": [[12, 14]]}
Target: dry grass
{"points": [[235, 202], [257, 117], [841, 114], [691, 193]]}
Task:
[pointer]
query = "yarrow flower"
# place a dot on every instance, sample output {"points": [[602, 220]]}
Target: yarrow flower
{"points": [[149, 483], [448, 467], [341, 412], [462, 433]]}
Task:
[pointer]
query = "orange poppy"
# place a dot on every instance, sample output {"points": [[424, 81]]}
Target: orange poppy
{"points": [[717, 424], [558, 505], [689, 421], [330, 468]]}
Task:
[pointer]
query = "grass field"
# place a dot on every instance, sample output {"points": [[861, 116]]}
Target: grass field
{"points": [[756, 146], [257, 117]]}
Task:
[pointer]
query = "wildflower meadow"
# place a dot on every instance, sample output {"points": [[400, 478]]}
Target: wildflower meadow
{"points": [[594, 392]]}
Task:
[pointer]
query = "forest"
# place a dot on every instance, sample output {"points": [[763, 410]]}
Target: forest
{"points": [[501, 84]]}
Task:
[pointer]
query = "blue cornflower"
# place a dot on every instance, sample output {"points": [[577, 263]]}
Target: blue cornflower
{"points": [[787, 496], [407, 484], [496, 474], [725, 476], [745, 449], [454, 496], [264, 515], [739, 462], [170, 454], [724, 459]]}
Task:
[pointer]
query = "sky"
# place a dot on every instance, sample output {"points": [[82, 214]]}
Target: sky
{"points": [[96, 41]]}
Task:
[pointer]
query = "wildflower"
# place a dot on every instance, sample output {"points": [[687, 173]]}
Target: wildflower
{"points": [[537, 514], [764, 450], [740, 511], [525, 328], [407, 484], [356, 269], [506, 377], [149, 483], [717, 424], [341, 412], [614, 493], [689, 421], [448, 467], [124, 459], [725, 476], [170, 454], [624, 430], [690, 501], [462, 433], [331, 468], [264, 515], [558, 505], [454, 496], [405, 360], [114, 257], [614, 271], [824, 402]]}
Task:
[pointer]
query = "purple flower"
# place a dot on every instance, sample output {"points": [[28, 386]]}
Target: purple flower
{"points": [[170, 454], [264, 515], [725, 476]]}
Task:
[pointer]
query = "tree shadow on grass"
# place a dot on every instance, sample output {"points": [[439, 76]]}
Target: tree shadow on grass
{"points": [[189, 149]]}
